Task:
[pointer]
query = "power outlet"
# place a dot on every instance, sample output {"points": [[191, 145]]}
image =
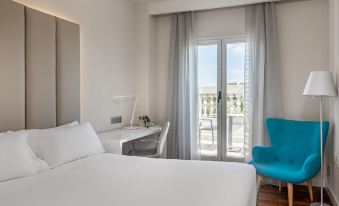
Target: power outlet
{"points": [[336, 158], [328, 171], [116, 120]]}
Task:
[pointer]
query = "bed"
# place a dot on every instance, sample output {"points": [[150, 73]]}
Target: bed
{"points": [[108, 179]]}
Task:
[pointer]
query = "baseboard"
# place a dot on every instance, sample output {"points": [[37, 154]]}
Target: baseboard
{"points": [[332, 197]]}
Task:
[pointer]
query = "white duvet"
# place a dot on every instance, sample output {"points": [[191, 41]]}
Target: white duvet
{"points": [[115, 180]]}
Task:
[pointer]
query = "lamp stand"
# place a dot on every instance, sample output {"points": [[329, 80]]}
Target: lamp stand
{"points": [[321, 203], [131, 127]]}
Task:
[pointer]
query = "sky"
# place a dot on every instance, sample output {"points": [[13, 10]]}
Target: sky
{"points": [[207, 63]]}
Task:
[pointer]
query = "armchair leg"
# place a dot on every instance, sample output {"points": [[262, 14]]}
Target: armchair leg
{"points": [[310, 189], [290, 194], [259, 179]]}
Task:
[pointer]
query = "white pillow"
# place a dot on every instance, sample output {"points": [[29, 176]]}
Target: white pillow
{"points": [[32, 135], [16, 157], [62, 145]]}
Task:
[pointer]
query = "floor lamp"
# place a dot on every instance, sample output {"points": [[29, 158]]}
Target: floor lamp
{"points": [[320, 84]]}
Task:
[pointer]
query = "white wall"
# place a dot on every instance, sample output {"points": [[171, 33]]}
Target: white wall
{"points": [[159, 71], [333, 142], [151, 63], [145, 52], [107, 32], [303, 40]]}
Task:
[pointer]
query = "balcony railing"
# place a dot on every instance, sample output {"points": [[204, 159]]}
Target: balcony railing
{"points": [[208, 101], [207, 105]]}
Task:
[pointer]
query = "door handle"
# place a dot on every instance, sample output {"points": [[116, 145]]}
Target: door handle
{"points": [[219, 96]]}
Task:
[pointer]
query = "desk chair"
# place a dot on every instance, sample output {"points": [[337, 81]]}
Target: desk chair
{"points": [[153, 148]]}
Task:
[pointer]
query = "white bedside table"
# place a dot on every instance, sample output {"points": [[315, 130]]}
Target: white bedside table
{"points": [[114, 140]]}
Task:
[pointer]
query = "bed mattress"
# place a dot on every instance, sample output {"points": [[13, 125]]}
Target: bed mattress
{"points": [[107, 180]]}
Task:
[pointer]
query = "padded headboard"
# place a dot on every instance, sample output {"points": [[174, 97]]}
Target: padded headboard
{"points": [[39, 69]]}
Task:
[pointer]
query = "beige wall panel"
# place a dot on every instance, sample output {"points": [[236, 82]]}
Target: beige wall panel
{"points": [[40, 70], [68, 72], [12, 66]]}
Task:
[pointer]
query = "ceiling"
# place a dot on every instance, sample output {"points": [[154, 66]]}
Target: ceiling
{"points": [[148, 1]]}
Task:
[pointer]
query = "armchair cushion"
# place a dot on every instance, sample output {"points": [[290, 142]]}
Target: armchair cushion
{"points": [[291, 172], [294, 154]]}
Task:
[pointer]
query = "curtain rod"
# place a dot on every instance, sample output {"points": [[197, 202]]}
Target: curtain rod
{"points": [[174, 6], [290, 1]]}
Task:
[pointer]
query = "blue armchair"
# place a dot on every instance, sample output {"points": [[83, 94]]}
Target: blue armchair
{"points": [[294, 154]]}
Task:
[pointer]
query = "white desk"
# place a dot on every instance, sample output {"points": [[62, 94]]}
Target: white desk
{"points": [[113, 140]]}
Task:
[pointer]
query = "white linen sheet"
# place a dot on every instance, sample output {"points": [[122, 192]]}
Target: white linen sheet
{"points": [[115, 180]]}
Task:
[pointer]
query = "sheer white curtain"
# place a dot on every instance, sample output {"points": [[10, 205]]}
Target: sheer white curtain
{"points": [[262, 74], [182, 89]]}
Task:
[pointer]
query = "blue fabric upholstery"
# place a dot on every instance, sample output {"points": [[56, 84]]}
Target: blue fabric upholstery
{"points": [[294, 154]]}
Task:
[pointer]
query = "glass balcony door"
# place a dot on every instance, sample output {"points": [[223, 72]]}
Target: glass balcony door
{"points": [[221, 106], [209, 107], [233, 89]]}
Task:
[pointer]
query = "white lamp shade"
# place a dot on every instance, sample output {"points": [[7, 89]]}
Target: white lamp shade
{"points": [[320, 83]]}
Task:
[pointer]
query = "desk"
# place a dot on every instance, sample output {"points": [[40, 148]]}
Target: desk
{"points": [[114, 140]]}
